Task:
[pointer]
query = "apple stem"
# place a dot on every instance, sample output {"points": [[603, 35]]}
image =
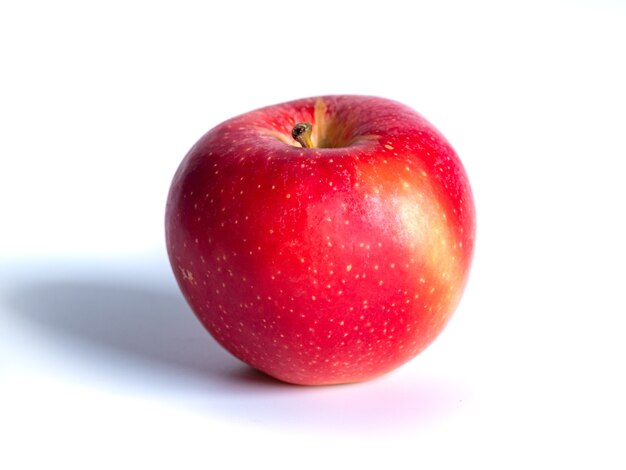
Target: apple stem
{"points": [[301, 132]]}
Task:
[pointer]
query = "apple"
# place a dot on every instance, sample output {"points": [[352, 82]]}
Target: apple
{"points": [[324, 240]]}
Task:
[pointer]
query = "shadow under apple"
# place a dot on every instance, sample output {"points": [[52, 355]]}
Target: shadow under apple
{"points": [[133, 326]]}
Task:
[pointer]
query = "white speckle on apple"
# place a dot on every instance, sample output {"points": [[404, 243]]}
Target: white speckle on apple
{"points": [[187, 275]]}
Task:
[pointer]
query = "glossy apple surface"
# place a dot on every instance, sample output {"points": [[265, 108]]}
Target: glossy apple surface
{"points": [[329, 264]]}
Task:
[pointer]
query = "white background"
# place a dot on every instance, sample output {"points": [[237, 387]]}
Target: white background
{"points": [[103, 366]]}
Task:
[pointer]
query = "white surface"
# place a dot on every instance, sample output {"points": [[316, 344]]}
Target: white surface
{"points": [[103, 366]]}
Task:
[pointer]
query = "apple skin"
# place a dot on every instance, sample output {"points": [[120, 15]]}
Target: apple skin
{"points": [[322, 265]]}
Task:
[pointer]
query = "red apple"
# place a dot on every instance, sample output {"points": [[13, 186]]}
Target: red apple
{"points": [[332, 260]]}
